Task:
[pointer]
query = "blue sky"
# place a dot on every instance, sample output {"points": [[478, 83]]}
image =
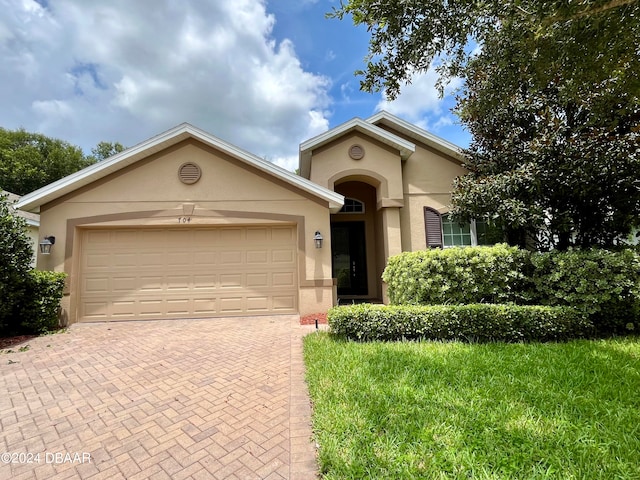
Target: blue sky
{"points": [[264, 76]]}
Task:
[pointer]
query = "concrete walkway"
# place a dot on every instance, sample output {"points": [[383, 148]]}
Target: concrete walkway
{"points": [[174, 399]]}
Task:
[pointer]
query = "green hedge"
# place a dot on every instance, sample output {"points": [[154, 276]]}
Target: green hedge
{"points": [[604, 285], [40, 311], [498, 274], [35, 299], [477, 322]]}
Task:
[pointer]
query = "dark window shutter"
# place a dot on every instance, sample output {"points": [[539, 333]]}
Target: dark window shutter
{"points": [[433, 227]]}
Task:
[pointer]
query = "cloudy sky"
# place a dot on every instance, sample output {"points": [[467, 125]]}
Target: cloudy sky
{"points": [[263, 75]]}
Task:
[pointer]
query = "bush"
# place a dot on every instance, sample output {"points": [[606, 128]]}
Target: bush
{"points": [[498, 274], [42, 302], [15, 262], [605, 285], [477, 322]]}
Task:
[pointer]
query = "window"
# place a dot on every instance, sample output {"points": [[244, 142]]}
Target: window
{"points": [[441, 231], [351, 205], [456, 234]]}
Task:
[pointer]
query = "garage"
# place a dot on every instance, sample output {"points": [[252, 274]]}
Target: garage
{"points": [[188, 272], [186, 225]]}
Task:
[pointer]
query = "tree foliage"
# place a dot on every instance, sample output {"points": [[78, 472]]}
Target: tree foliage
{"points": [[552, 98], [29, 161], [590, 38], [15, 261], [105, 150]]}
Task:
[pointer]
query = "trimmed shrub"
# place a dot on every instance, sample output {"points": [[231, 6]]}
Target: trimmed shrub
{"points": [[498, 274], [40, 309], [605, 285], [477, 322]]}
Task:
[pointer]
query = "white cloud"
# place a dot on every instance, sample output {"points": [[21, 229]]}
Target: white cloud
{"points": [[124, 71], [418, 98]]}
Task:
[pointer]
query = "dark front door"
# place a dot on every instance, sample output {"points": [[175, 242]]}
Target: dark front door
{"points": [[349, 261]]}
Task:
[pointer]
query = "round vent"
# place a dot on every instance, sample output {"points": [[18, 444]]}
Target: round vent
{"points": [[189, 173], [356, 152]]}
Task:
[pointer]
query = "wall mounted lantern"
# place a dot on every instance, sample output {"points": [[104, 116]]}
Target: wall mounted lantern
{"points": [[317, 238], [45, 245]]}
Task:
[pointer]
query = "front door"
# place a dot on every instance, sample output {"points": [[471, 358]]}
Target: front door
{"points": [[349, 259]]}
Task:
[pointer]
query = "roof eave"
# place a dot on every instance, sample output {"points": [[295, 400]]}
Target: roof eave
{"points": [[404, 147], [418, 133], [175, 135]]}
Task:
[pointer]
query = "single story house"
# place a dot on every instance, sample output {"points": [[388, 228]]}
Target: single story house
{"points": [[185, 225]]}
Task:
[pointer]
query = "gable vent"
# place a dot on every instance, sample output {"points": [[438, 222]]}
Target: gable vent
{"points": [[189, 173], [356, 152]]}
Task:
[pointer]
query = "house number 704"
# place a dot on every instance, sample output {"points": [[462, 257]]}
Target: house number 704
{"points": [[184, 219]]}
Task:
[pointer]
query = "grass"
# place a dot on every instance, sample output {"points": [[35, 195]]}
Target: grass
{"points": [[434, 410]]}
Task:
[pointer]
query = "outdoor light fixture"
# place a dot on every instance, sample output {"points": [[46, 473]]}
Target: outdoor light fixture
{"points": [[45, 245], [317, 238]]}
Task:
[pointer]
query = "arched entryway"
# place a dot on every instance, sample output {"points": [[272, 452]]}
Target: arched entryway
{"points": [[356, 243]]}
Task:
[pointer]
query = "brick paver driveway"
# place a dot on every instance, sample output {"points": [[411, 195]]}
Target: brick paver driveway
{"points": [[216, 398]]}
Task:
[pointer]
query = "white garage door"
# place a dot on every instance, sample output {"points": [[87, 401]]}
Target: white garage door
{"points": [[151, 273]]}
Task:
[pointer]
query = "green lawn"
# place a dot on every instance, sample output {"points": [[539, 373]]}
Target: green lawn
{"points": [[479, 411]]}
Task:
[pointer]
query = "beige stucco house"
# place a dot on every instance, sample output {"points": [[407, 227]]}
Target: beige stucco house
{"points": [[186, 225]]}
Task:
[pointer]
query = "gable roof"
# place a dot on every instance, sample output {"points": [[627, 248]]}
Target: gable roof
{"points": [[184, 131], [405, 147], [417, 133]]}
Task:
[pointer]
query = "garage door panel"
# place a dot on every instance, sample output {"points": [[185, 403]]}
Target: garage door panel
{"points": [[151, 284], [178, 306], [230, 305], [204, 306], [154, 273], [257, 235], [254, 280], [257, 256], [231, 236], [122, 308], [98, 260], [228, 258], [148, 259], [179, 259], [95, 311], [257, 304], [97, 286], [282, 256], [283, 303], [205, 258], [179, 282], [283, 279], [98, 236], [283, 234], [231, 280], [123, 284], [207, 281]]}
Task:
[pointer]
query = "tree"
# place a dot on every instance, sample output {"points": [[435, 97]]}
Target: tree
{"points": [[105, 150], [552, 101], [590, 39], [29, 161], [552, 168], [15, 263]]}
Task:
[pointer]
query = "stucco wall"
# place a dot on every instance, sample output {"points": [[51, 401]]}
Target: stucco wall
{"points": [[427, 182], [380, 166]]}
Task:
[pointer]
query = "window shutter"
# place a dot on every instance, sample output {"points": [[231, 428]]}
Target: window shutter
{"points": [[433, 227]]}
